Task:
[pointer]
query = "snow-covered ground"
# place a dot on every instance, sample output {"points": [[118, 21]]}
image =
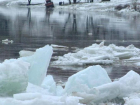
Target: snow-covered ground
{"points": [[97, 5]]}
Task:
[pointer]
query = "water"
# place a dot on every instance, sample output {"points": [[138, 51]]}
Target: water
{"points": [[31, 28]]}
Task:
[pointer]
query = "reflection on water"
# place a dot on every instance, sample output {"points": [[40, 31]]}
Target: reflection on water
{"points": [[31, 28]]}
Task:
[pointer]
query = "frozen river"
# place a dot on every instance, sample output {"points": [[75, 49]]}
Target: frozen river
{"points": [[31, 28]]}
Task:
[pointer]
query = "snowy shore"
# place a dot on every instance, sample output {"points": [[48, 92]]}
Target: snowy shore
{"points": [[121, 6]]}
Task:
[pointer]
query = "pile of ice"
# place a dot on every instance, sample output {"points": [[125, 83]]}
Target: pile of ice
{"points": [[25, 81], [124, 87], [98, 54], [16, 73], [19, 79]]}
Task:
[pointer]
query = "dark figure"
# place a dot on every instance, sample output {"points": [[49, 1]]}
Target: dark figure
{"points": [[91, 0], [60, 3], [49, 3], [74, 1], [29, 2]]}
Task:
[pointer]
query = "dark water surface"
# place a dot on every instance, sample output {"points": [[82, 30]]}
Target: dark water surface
{"points": [[31, 28]]}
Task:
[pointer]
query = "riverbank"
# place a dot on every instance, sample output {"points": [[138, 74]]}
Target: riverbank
{"points": [[121, 6], [112, 6]]}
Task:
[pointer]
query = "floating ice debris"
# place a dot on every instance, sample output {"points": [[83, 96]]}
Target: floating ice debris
{"points": [[86, 79], [6, 41], [124, 87], [13, 77], [39, 63], [24, 53], [59, 47], [90, 34], [98, 54]]}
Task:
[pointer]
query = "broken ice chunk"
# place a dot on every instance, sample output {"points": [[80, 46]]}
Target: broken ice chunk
{"points": [[24, 53], [124, 87], [39, 63], [49, 84], [13, 77], [86, 79]]}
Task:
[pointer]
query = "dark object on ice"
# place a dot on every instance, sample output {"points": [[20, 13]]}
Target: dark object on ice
{"points": [[60, 3], [105, 0], [119, 7], [49, 4]]}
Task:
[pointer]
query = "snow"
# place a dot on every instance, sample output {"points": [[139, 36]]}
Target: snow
{"points": [[86, 79], [98, 54], [97, 5], [35, 99], [13, 77], [26, 96]]}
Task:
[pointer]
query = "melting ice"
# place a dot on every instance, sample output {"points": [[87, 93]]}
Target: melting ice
{"points": [[24, 80]]}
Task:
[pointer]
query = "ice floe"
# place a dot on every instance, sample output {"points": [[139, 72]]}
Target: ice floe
{"points": [[24, 53], [98, 54], [7, 41]]}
